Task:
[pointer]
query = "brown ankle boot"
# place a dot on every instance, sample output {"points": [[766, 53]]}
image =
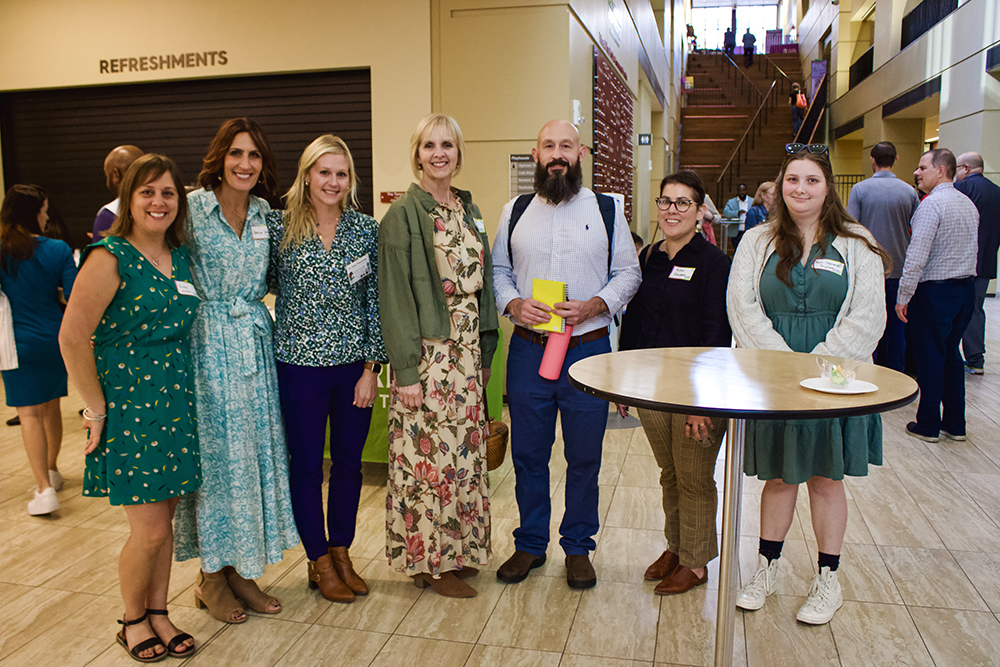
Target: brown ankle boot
{"points": [[324, 577], [345, 569]]}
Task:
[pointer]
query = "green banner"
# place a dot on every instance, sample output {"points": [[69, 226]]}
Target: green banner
{"points": [[377, 447]]}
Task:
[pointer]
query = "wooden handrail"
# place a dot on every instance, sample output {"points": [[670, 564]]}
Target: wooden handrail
{"points": [[722, 174]]}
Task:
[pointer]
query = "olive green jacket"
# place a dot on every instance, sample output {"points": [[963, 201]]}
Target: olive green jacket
{"points": [[412, 302]]}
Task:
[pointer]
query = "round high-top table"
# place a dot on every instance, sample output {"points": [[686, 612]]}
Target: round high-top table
{"points": [[735, 384]]}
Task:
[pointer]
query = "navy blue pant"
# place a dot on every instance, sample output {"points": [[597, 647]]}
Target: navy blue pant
{"points": [[534, 402], [891, 350], [938, 315], [310, 395]]}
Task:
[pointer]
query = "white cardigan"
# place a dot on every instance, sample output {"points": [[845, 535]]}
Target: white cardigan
{"points": [[861, 319]]}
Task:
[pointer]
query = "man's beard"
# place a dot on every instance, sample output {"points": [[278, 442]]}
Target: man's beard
{"points": [[561, 186]]}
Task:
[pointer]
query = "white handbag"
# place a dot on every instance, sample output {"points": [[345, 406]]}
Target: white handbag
{"points": [[8, 352]]}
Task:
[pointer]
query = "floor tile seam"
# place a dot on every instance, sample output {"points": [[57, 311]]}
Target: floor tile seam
{"points": [[51, 625], [986, 512], [969, 578], [291, 644], [923, 640], [78, 560], [576, 612], [919, 508]]}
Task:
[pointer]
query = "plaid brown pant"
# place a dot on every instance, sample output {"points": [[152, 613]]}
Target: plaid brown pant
{"points": [[690, 498]]}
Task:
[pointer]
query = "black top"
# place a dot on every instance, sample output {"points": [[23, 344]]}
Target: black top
{"points": [[674, 312], [985, 194]]}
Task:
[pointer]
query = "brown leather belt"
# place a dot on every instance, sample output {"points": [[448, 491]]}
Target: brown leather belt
{"points": [[540, 338]]}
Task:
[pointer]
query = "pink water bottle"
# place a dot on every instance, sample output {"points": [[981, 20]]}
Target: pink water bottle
{"points": [[555, 354]]}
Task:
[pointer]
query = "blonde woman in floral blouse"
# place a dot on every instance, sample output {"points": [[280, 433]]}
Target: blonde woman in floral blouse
{"points": [[440, 328], [328, 346]]}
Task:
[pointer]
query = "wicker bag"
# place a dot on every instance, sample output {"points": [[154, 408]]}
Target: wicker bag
{"points": [[496, 440]]}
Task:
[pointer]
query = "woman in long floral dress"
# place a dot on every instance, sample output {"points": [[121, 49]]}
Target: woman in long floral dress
{"points": [[440, 330], [241, 520]]}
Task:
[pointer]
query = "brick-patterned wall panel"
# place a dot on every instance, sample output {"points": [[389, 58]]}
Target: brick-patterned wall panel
{"points": [[612, 132]]}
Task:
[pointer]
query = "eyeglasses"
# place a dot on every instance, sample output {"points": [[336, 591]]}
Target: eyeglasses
{"points": [[663, 203], [815, 149]]}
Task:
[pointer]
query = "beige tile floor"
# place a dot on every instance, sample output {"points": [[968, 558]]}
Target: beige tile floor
{"points": [[920, 572]]}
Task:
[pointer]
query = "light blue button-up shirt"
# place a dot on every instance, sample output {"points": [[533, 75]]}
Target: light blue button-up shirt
{"points": [[566, 242]]}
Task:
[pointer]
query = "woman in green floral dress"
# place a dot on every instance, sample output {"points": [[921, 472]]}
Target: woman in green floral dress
{"points": [[440, 331], [134, 296]]}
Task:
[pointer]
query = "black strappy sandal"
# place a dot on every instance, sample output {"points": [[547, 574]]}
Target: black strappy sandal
{"points": [[176, 641], [146, 645]]}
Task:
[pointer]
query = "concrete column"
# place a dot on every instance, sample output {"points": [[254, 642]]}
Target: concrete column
{"points": [[641, 167]]}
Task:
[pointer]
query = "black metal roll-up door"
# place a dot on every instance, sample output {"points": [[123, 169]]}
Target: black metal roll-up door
{"points": [[58, 139]]}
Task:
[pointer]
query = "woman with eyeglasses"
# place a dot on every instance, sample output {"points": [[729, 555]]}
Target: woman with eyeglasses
{"points": [[681, 302], [810, 279]]}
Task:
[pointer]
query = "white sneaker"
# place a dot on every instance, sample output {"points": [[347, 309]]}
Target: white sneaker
{"points": [[45, 502], [825, 599], [56, 480], [762, 584]]}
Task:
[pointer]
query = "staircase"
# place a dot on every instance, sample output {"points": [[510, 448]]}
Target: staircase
{"points": [[736, 121]]}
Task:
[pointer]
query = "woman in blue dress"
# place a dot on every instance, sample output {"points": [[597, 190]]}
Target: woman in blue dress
{"points": [[125, 339], [32, 269], [242, 519], [808, 280]]}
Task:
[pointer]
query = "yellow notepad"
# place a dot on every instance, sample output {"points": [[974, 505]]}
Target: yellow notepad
{"points": [[550, 292]]}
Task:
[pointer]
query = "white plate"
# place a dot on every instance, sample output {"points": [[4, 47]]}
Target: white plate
{"points": [[852, 387]]}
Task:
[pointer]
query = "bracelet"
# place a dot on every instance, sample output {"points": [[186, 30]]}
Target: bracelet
{"points": [[93, 416]]}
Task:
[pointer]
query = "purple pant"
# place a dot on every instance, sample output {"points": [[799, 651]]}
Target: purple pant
{"points": [[310, 396]]}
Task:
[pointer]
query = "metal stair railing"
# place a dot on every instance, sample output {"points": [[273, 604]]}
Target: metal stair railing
{"points": [[747, 143]]}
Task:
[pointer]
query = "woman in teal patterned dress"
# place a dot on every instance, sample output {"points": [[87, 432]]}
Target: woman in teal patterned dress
{"points": [[241, 519], [809, 280], [135, 297]]}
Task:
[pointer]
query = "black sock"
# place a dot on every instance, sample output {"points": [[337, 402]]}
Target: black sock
{"points": [[829, 560], [770, 549]]}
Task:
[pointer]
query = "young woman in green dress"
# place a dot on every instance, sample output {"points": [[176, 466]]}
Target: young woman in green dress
{"points": [[135, 298], [809, 280]]}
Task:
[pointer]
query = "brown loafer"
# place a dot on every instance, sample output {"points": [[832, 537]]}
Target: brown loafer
{"points": [[681, 580], [662, 566], [516, 569], [580, 572]]}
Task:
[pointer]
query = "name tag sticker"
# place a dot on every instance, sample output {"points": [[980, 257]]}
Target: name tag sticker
{"points": [[479, 225], [185, 288], [259, 232], [831, 265], [682, 272], [359, 268]]}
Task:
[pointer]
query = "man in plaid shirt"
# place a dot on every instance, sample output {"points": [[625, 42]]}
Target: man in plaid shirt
{"points": [[937, 295]]}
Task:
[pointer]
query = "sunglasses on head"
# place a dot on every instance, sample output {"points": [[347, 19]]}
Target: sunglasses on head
{"points": [[815, 149]]}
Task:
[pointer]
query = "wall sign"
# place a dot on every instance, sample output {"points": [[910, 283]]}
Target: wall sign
{"points": [[167, 62], [387, 197], [522, 175], [645, 139]]}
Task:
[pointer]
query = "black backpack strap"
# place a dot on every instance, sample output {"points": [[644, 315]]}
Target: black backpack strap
{"points": [[516, 212], [607, 206]]}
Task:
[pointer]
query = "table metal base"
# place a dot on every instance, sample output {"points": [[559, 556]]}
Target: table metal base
{"points": [[729, 563]]}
